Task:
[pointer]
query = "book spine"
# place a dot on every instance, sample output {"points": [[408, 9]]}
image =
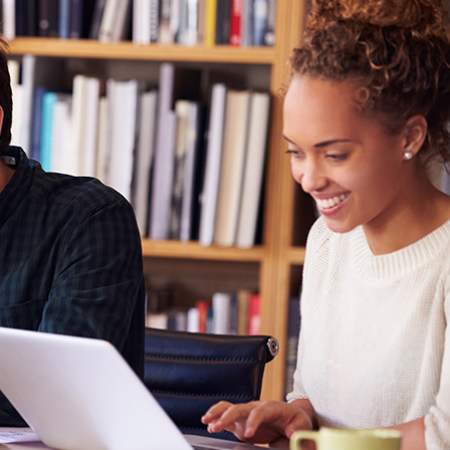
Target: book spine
{"points": [[223, 15], [63, 19], [235, 22], [48, 103], [213, 161], [154, 20], [254, 315], [76, 19], [9, 19], [210, 23], [97, 19], [36, 123], [221, 303]]}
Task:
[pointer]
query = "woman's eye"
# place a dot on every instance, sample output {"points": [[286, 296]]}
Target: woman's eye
{"points": [[294, 153], [337, 156]]}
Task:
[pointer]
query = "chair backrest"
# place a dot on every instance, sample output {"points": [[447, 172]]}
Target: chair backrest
{"points": [[189, 372]]}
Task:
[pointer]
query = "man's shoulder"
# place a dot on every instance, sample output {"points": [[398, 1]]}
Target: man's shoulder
{"points": [[72, 191]]}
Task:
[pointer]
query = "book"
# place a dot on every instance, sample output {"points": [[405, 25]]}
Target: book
{"points": [[193, 320], [86, 91], [235, 22], [21, 17], [243, 300], [232, 167], [254, 169], [115, 18], [26, 100], [164, 156], [182, 117], [173, 85], [154, 20], [97, 17], [165, 33], [221, 304], [63, 19], [76, 17], [17, 93], [212, 166], [61, 142], [48, 103], [269, 34], [223, 15], [292, 337], [188, 30], [202, 307], [209, 35], [122, 122], [102, 146], [260, 22], [254, 314], [48, 16], [141, 22], [246, 31], [144, 158], [9, 19], [192, 172]]}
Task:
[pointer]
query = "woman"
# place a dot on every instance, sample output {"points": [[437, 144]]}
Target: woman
{"points": [[366, 113]]}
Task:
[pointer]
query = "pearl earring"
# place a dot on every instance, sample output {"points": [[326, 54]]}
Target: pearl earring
{"points": [[408, 155]]}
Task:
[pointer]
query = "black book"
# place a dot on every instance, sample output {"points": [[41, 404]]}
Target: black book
{"points": [[223, 16], [48, 15]]}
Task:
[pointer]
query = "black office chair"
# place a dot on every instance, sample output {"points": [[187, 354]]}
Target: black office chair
{"points": [[189, 372]]}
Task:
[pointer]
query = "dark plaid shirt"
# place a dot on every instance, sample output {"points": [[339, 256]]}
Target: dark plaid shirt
{"points": [[70, 261]]}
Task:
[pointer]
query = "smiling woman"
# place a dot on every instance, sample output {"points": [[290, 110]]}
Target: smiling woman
{"points": [[368, 107]]}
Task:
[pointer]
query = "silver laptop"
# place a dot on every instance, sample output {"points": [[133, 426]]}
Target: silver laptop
{"points": [[80, 394]]}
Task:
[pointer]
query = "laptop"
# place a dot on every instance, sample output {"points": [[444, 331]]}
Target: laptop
{"points": [[79, 393]]}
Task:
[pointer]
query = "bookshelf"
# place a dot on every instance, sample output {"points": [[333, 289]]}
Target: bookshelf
{"points": [[198, 270]]}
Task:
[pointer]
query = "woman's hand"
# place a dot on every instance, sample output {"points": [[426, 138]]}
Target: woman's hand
{"points": [[260, 421]]}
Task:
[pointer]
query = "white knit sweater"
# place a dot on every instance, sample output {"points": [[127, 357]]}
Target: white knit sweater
{"points": [[374, 344]]}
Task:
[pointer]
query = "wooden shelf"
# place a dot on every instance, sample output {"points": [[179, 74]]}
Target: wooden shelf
{"points": [[268, 267], [86, 48], [193, 250]]}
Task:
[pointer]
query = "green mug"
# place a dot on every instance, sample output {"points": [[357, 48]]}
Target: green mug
{"points": [[348, 439]]}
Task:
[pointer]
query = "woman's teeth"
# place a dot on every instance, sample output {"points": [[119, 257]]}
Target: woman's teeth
{"points": [[330, 202]]}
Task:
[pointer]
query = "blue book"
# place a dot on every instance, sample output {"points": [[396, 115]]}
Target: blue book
{"points": [[63, 19], [48, 103], [36, 125]]}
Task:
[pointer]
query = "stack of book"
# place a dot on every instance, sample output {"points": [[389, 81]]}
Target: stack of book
{"points": [[191, 171], [186, 22], [224, 313]]}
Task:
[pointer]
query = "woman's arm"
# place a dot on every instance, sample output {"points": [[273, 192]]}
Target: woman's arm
{"points": [[413, 434]]}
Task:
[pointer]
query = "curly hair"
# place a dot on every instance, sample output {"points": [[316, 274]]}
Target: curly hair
{"points": [[396, 51]]}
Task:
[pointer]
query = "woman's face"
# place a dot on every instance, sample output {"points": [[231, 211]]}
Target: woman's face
{"points": [[345, 160]]}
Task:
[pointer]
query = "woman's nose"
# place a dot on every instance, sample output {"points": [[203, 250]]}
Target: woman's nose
{"points": [[310, 175]]}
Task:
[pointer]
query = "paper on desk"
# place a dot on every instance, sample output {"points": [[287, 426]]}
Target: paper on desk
{"points": [[10, 435]]}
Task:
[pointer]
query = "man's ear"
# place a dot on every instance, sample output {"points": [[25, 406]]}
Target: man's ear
{"points": [[414, 134], [1, 118]]}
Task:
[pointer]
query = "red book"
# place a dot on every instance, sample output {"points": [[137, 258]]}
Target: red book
{"points": [[235, 22], [254, 315], [202, 307]]}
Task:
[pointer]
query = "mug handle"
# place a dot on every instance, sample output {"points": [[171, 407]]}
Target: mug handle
{"points": [[297, 436]]}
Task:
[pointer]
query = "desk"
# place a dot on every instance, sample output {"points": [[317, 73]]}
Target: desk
{"points": [[20, 436]]}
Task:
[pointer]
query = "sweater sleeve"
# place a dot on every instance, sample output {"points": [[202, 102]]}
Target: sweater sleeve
{"points": [[437, 421]]}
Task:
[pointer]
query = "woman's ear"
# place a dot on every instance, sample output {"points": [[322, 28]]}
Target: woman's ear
{"points": [[414, 134]]}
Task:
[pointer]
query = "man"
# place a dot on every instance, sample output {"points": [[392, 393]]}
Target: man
{"points": [[70, 253]]}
